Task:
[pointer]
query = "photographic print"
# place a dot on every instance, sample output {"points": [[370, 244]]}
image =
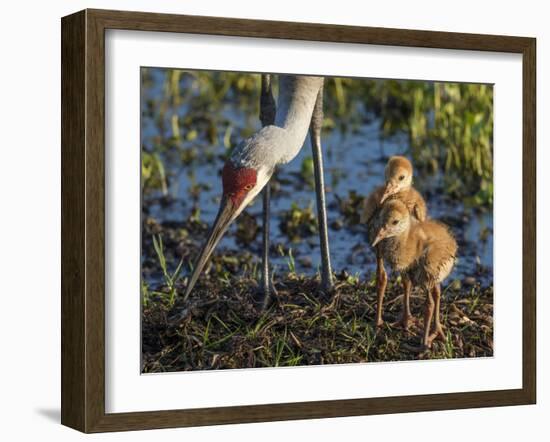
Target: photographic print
{"points": [[250, 210], [293, 220]]}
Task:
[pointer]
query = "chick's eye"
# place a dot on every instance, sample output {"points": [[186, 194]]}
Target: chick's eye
{"points": [[395, 222], [248, 187], [402, 177]]}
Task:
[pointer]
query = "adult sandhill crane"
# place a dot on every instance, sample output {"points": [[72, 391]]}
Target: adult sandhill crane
{"points": [[253, 161]]}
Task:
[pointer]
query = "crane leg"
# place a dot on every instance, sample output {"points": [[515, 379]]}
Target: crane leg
{"points": [[266, 288], [315, 134], [267, 117]]}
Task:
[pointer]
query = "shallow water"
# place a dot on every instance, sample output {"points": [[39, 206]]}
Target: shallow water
{"points": [[354, 161]]}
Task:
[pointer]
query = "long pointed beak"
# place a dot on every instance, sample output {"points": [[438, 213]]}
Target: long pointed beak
{"points": [[223, 219], [379, 237], [390, 189]]}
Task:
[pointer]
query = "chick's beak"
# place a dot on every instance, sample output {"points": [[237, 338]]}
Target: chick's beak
{"points": [[390, 189], [223, 220], [380, 236]]}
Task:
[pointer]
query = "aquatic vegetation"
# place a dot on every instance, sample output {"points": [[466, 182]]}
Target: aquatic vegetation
{"points": [[298, 223], [449, 125], [459, 140], [247, 228], [351, 207], [153, 174], [291, 263], [365, 121], [307, 171]]}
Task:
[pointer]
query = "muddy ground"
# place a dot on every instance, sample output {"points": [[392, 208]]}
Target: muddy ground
{"points": [[220, 325]]}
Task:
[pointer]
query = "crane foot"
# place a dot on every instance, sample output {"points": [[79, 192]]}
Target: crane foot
{"points": [[265, 297], [326, 286]]}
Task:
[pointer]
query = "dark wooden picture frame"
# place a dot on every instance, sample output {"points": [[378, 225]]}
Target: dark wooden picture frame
{"points": [[83, 220]]}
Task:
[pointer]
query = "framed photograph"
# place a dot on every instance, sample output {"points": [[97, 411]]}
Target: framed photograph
{"points": [[267, 221]]}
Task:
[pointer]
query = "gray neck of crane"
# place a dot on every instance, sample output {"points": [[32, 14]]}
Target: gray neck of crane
{"points": [[281, 142], [297, 95]]}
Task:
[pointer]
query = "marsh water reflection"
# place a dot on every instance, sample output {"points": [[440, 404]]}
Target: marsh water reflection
{"points": [[191, 138]]}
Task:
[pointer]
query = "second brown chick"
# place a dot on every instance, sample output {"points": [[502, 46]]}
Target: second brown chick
{"points": [[398, 186]]}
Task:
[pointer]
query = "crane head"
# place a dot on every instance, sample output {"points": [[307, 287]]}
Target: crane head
{"points": [[238, 182], [399, 174], [240, 185]]}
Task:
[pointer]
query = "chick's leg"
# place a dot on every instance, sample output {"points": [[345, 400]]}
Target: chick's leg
{"points": [[438, 328], [381, 283], [406, 319], [428, 314]]}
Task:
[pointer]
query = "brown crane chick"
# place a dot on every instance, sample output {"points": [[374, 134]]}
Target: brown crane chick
{"points": [[399, 177], [424, 251]]}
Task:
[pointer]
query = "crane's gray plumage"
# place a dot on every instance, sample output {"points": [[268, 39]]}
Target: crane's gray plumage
{"points": [[281, 142]]}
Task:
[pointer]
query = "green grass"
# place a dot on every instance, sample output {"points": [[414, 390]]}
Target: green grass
{"points": [[223, 329], [170, 278]]}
